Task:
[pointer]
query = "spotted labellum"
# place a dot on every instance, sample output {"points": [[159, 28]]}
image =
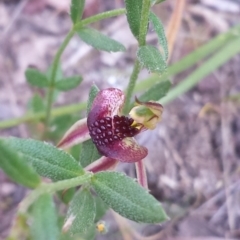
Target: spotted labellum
{"points": [[112, 133]]}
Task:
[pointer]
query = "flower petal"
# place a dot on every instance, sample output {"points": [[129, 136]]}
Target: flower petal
{"points": [[76, 134], [107, 103], [102, 164], [126, 150]]}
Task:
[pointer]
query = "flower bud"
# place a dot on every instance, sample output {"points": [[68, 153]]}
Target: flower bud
{"points": [[148, 114]]}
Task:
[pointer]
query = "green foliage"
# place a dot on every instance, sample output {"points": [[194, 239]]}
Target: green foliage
{"points": [[61, 124], [127, 197], [20, 157], [156, 92], [89, 151], [37, 104], [15, 167], [76, 11], [69, 83], [99, 41], [101, 208], [81, 213], [67, 195], [151, 58], [159, 29], [36, 78], [92, 94], [44, 224], [47, 160], [218, 59], [134, 11]]}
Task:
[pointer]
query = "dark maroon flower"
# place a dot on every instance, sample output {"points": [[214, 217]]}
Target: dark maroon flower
{"points": [[111, 133]]}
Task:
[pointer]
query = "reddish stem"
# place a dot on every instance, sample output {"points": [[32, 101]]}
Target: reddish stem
{"points": [[141, 174]]}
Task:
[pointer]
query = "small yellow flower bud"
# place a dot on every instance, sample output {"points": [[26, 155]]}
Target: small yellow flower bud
{"points": [[101, 227]]}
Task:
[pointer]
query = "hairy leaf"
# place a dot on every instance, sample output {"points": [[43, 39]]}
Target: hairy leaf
{"points": [[99, 41], [159, 29], [81, 213], [77, 7], [46, 159], [127, 197], [134, 9], [151, 58], [44, 224], [156, 92], [13, 164]]}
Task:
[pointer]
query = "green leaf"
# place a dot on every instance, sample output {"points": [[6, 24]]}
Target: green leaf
{"points": [[128, 198], [46, 159], [75, 151], [92, 94], [151, 58], [37, 104], [216, 44], [89, 151], [44, 224], [77, 7], [69, 83], [101, 208], [15, 167], [36, 78], [67, 195], [134, 9], [159, 29], [156, 92], [99, 41], [81, 213]]}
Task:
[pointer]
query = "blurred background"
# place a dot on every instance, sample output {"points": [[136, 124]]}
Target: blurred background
{"points": [[193, 164]]}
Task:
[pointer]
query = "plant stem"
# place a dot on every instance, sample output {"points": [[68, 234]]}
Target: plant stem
{"points": [[99, 17], [60, 111], [141, 42], [53, 75], [131, 85], [53, 187]]}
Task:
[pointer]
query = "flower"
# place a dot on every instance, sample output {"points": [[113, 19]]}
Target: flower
{"points": [[112, 133]]}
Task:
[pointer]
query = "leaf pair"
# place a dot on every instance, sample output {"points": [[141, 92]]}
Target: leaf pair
{"points": [[119, 192], [39, 79]]}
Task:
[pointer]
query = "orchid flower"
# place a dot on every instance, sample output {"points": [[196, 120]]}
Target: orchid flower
{"points": [[112, 133]]}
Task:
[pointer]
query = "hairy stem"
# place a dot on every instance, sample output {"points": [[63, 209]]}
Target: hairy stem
{"points": [[131, 85], [53, 187]]}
